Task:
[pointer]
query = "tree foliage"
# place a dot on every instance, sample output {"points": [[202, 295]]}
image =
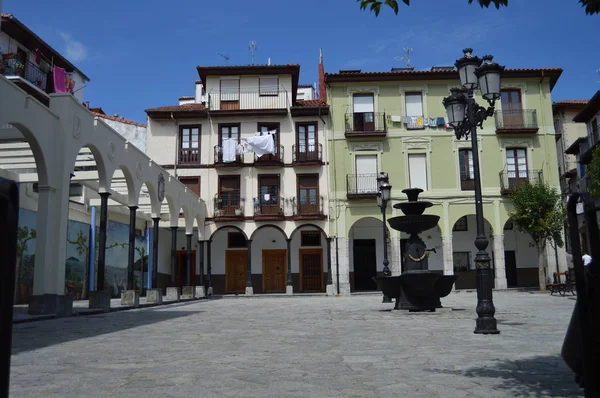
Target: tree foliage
{"points": [[593, 173], [538, 212], [591, 6]]}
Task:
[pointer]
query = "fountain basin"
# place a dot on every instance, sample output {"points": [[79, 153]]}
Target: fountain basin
{"points": [[417, 290], [415, 223], [409, 208]]}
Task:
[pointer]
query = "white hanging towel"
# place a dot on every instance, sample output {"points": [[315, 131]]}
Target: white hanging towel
{"points": [[228, 148], [261, 145]]}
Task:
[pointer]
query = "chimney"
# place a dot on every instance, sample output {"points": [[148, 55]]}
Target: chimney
{"points": [[198, 93], [322, 89]]}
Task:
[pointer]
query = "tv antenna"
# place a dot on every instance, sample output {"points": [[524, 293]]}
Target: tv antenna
{"points": [[406, 57], [224, 56], [598, 72], [252, 47]]}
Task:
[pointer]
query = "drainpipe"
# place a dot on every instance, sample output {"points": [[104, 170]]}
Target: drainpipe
{"points": [[176, 145]]}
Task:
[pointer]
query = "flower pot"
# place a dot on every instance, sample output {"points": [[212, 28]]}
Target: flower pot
{"points": [[239, 212]]}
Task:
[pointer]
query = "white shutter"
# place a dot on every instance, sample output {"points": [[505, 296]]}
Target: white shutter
{"points": [[414, 104], [366, 173], [268, 85], [230, 90], [363, 103], [417, 166]]}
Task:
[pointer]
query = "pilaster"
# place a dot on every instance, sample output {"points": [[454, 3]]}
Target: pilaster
{"points": [[499, 265]]}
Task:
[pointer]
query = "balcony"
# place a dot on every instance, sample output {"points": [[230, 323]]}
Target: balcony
{"points": [[522, 121], [307, 155], [229, 206], [509, 180], [268, 210], [274, 160], [310, 211], [189, 157], [467, 185], [361, 185], [28, 76], [365, 125], [238, 160], [275, 102], [586, 148]]}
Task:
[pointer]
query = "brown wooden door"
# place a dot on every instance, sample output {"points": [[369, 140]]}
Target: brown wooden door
{"points": [[516, 167], [181, 270], [311, 270], [274, 270], [307, 141], [512, 108], [236, 262], [269, 194], [229, 194]]}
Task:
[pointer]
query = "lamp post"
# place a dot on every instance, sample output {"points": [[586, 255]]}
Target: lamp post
{"points": [[383, 197], [464, 115]]}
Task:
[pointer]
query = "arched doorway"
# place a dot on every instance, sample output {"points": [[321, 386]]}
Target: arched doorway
{"points": [[464, 232], [269, 259], [366, 253], [308, 248], [229, 260], [520, 258]]}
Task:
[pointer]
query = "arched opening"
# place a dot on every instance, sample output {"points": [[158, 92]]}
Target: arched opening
{"points": [[520, 258], [269, 259], [366, 253], [229, 260], [464, 232], [308, 248], [23, 160]]}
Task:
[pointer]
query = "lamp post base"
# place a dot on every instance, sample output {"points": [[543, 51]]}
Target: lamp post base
{"points": [[486, 325]]}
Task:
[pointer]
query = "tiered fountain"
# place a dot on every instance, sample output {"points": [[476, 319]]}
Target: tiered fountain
{"points": [[417, 289]]}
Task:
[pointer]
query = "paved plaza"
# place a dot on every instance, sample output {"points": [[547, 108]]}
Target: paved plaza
{"points": [[298, 347]]}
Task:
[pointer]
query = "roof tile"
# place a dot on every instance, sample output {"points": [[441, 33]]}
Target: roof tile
{"points": [[119, 119], [178, 108], [310, 103]]}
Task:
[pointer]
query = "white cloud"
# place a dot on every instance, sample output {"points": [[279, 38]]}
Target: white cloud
{"points": [[75, 50]]}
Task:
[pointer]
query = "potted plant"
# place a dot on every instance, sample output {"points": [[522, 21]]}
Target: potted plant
{"points": [[19, 66], [239, 211]]}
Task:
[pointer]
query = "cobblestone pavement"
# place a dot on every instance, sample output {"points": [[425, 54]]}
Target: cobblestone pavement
{"points": [[298, 347]]}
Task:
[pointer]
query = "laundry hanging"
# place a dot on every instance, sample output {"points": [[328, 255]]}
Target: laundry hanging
{"points": [[261, 145], [228, 148]]}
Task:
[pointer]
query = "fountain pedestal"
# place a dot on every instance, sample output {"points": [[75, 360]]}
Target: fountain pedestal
{"points": [[417, 289]]}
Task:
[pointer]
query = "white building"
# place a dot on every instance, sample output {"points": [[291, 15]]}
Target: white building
{"points": [[267, 226]]}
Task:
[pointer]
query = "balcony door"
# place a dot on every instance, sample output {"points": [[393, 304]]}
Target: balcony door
{"points": [[264, 128], [189, 144], [308, 194], [229, 194], [516, 167], [366, 174], [363, 112], [512, 108], [269, 194], [307, 142], [467, 175], [232, 132], [417, 168]]}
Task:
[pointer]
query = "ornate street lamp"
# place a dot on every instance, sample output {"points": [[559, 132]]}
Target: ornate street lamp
{"points": [[464, 115], [383, 197]]}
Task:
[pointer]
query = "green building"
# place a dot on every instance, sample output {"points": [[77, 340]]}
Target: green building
{"points": [[394, 122]]}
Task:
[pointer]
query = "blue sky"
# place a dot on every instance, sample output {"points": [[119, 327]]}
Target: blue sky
{"points": [[141, 54]]}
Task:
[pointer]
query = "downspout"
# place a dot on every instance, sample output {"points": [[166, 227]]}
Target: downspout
{"points": [[329, 193], [176, 144], [336, 205]]}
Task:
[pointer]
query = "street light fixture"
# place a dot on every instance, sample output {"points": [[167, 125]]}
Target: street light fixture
{"points": [[384, 193], [464, 115]]}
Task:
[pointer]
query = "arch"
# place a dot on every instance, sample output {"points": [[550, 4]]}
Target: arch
{"points": [[174, 210], [131, 190], [366, 218], [268, 226], [228, 227], [298, 228], [38, 153], [485, 222], [98, 159], [155, 205]]}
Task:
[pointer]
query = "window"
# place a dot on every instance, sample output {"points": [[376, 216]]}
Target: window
{"points": [[461, 224], [467, 176], [308, 194], [268, 86], [230, 94], [417, 167], [228, 199], [235, 240], [189, 144], [511, 99], [192, 183], [366, 174], [264, 128], [310, 238], [462, 261], [414, 104], [363, 116], [516, 166], [268, 191], [307, 142], [229, 131]]}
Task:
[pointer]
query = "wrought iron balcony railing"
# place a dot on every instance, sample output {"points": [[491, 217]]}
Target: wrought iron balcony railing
{"points": [[248, 100], [307, 153], [189, 156], [219, 159], [28, 71], [271, 208], [509, 180], [365, 123], [361, 184], [467, 184], [310, 210], [276, 158], [228, 204], [515, 121]]}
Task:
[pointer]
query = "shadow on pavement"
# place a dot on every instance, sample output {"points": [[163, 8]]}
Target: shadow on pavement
{"points": [[35, 335], [540, 376]]}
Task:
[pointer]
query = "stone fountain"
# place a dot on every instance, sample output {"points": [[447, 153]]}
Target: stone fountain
{"points": [[417, 289]]}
